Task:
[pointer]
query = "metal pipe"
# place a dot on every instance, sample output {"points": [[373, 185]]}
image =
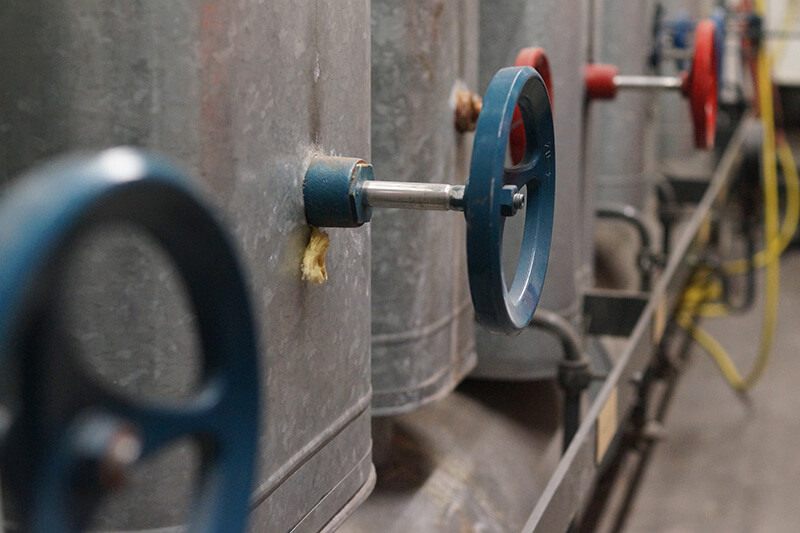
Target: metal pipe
{"points": [[574, 372], [668, 212], [429, 196], [631, 215], [678, 53], [647, 82], [570, 339], [572, 416]]}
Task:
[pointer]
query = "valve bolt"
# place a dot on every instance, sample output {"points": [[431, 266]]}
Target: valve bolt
{"points": [[109, 447], [511, 201]]}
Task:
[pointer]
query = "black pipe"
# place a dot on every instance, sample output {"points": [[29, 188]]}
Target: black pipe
{"points": [[668, 209], [647, 258], [574, 374], [571, 340]]}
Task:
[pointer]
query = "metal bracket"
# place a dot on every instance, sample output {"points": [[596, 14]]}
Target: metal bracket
{"points": [[579, 468], [614, 313]]}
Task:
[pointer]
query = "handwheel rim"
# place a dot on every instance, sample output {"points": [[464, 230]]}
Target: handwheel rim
{"points": [[496, 307], [703, 82], [535, 57]]}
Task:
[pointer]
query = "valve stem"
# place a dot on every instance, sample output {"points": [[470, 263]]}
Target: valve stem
{"points": [[648, 82], [431, 196]]}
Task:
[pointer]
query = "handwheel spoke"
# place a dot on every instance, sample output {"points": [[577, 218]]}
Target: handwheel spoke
{"points": [[157, 425], [524, 175]]}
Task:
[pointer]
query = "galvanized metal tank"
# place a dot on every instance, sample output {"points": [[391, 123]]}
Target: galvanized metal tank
{"points": [[621, 141], [561, 28], [422, 318], [676, 150], [242, 93], [622, 36]]}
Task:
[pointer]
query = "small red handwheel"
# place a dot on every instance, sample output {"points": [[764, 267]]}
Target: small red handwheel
{"points": [[700, 85], [528, 57]]}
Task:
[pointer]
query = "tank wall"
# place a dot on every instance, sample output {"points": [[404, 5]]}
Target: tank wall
{"points": [[422, 332], [619, 128], [241, 93]]}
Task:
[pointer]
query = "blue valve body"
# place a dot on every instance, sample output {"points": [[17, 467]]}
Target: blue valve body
{"points": [[332, 194]]}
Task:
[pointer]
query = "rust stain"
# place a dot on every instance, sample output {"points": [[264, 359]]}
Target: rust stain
{"points": [[437, 15], [468, 109], [317, 24], [216, 158], [423, 27]]}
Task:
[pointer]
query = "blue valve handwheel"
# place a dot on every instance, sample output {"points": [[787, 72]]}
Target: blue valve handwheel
{"points": [[55, 407], [496, 307]]}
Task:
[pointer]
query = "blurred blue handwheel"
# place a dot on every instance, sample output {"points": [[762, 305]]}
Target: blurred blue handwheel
{"points": [[57, 412]]}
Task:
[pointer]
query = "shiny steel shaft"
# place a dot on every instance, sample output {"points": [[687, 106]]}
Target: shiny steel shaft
{"points": [[430, 196], [648, 82]]}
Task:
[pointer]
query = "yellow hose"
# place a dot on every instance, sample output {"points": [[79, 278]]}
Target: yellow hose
{"points": [[772, 296], [703, 288]]}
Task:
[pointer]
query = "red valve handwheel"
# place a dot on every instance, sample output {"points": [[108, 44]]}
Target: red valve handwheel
{"points": [[700, 85], [599, 80], [528, 57]]}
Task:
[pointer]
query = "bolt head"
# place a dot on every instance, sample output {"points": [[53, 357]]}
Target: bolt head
{"points": [[122, 451], [110, 446], [511, 200]]}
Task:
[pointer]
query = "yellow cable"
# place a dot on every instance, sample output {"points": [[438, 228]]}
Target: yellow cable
{"points": [[772, 294], [792, 183], [702, 287], [760, 7], [717, 352]]}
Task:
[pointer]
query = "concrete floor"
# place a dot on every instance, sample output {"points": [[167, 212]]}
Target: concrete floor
{"points": [[726, 465]]}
